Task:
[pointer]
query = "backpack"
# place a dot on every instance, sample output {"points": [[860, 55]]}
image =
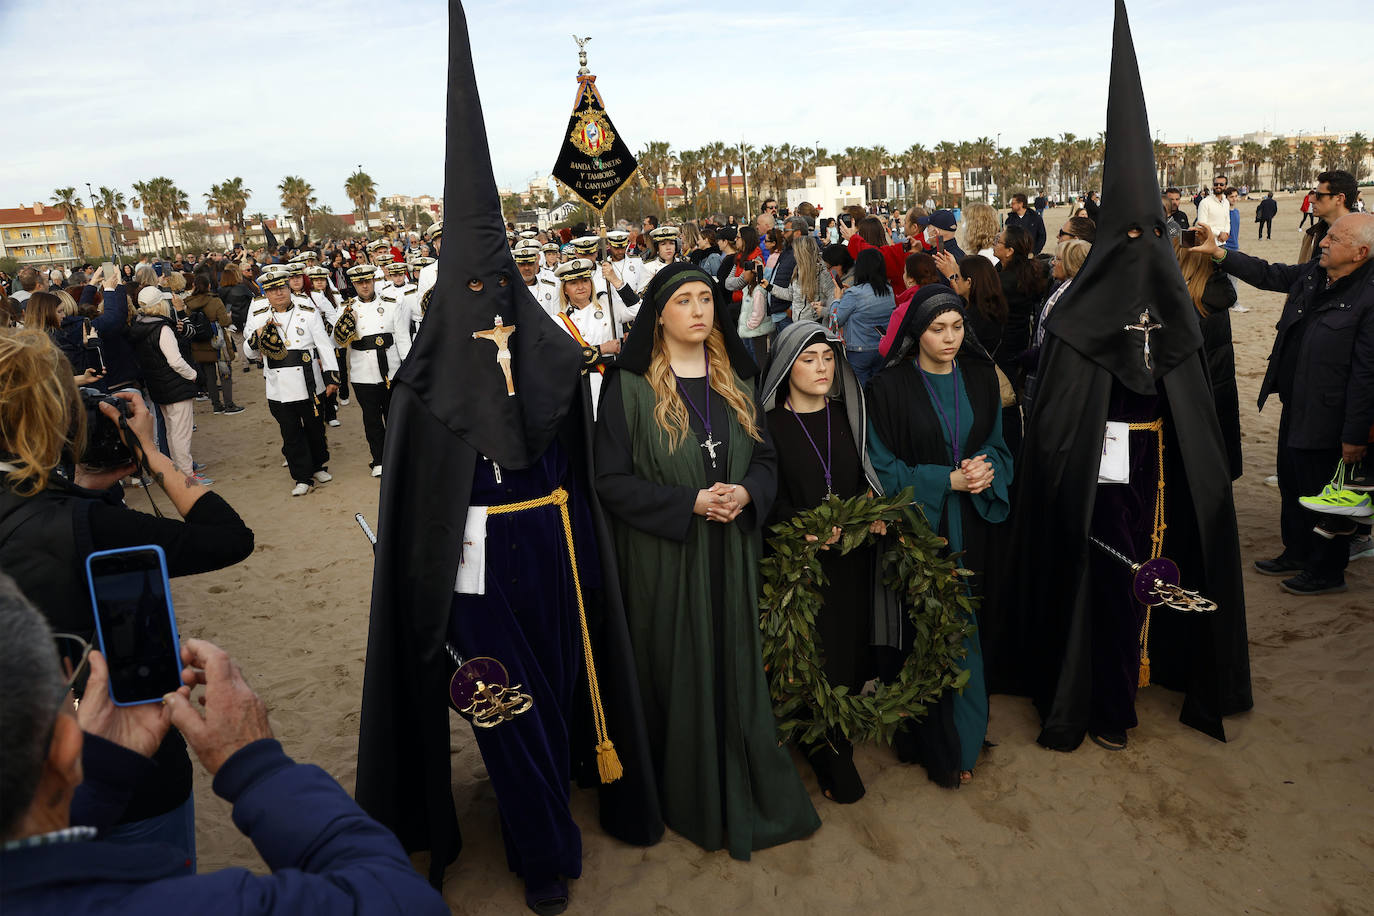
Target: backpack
{"points": [[202, 330]]}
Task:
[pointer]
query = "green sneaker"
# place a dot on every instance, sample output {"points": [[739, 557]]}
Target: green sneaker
{"points": [[1339, 501]]}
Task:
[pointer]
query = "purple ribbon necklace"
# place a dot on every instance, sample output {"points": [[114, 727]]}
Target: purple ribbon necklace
{"points": [[953, 430], [826, 462], [705, 418]]}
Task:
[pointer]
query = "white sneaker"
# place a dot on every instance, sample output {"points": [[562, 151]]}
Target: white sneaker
{"points": [[300, 489], [335, 423], [1272, 480], [343, 402], [1239, 308], [376, 470], [323, 477], [285, 463]]}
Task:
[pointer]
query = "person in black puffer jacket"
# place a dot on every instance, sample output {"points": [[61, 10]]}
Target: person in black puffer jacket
{"points": [[171, 380]]}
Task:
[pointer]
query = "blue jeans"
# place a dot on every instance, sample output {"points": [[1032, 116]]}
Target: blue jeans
{"points": [[176, 828], [865, 363]]}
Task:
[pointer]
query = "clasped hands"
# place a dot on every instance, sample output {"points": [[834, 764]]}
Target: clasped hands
{"points": [[721, 502], [973, 475]]}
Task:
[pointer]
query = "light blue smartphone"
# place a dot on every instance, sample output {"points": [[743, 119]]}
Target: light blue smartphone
{"points": [[135, 625]]}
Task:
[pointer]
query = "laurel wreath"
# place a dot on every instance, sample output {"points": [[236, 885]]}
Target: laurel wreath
{"points": [[932, 587]]}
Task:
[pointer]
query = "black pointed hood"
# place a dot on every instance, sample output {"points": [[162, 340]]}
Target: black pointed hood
{"points": [[454, 374], [1124, 277]]}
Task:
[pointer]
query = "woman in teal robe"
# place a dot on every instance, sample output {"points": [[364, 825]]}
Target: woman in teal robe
{"points": [[687, 497], [935, 422]]}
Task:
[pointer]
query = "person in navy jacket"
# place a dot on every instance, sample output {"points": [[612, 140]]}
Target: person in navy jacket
{"points": [[67, 775]]}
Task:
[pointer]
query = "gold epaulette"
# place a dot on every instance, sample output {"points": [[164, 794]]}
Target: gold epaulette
{"points": [[261, 310], [307, 308], [349, 301]]}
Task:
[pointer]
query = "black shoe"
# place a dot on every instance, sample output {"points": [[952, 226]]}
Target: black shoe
{"points": [[1360, 478], [1112, 741], [1279, 566], [218, 409], [1334, 526], [547, 898], [231, 408], [1304, 583]]}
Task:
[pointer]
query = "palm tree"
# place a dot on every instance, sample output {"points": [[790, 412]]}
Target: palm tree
{"points": [[715, 152], [1221, 154], [745, 153], [363, 192], [981, 153], [1192, 157], [297, 197], [1303, 155], [1356, 148], [1251, 155], [946, 157], [1277, 154], [65, 199], [109, 204], [689, 169], [236, 202], [916, 162]]}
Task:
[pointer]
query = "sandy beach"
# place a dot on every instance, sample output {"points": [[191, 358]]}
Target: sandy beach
{"points": [[1280, 820]]}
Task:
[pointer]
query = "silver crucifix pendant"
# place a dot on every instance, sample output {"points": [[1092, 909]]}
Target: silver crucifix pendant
{"points": [[710, 447]]}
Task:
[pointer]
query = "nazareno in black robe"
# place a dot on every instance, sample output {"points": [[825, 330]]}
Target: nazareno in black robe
{"points": [[1090, 358], [450, 405]]}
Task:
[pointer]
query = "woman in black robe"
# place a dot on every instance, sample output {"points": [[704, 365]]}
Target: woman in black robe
{"points": [[816, 415]]}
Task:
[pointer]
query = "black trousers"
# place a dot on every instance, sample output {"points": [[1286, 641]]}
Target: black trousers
{"points": [[375, 401], [1303, 472], [1306, 217], [303, 442], [1266, 225]]}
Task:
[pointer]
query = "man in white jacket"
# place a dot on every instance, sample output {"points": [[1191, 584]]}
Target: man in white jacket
{"points": [[1214, 212]]}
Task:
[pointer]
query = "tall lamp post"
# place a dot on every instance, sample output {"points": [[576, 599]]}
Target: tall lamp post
{"points": [[98, 236]]}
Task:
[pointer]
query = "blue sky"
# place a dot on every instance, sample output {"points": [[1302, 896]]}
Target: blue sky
{"points": [[314, 88]]}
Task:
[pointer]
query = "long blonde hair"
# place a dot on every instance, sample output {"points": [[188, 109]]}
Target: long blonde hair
{"points": [[1196, 269], [808, 270], [670, 411], [980, 226], [39, 414]]}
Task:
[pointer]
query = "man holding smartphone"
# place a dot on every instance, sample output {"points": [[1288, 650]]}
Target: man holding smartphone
{"points": [[70, 772]]}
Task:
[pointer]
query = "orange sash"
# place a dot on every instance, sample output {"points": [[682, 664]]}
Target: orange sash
{"points": [[577, 336]]}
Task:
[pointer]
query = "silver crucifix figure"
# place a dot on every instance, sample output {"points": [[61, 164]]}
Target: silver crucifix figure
{"points": [[1145, 325], [710, 447]]}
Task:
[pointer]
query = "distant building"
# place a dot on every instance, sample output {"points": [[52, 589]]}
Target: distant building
{"points": [[37, 235]]}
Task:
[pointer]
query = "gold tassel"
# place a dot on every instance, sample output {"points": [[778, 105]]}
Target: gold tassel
{"points": [[608, 762], [1144, 680]]}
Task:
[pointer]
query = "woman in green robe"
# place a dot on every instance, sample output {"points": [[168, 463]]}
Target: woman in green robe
{"points": [[935, 424], [687, 472]]}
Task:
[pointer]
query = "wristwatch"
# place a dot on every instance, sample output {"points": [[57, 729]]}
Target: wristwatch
{"points": [[953, 277]]}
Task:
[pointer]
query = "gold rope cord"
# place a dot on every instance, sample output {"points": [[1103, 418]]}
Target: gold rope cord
{"points": [[1156, 541], [607, 761]]}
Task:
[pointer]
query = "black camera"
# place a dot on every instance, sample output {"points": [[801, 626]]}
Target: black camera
{"points": [[105, 448]]}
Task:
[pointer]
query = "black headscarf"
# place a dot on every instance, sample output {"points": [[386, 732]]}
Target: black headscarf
{"points": [[930, 302], [638, 350], [795, 338]]}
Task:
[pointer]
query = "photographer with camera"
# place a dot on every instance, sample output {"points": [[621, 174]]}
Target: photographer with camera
{"points": [[49, 525], [65, 776]]}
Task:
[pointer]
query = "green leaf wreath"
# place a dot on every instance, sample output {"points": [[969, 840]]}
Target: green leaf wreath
{"points": [[931, 586]]}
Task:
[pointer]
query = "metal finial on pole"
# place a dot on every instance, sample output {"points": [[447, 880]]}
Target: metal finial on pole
{"points": [[582, 54]]}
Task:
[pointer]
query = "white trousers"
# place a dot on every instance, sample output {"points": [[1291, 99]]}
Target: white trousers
{"points": [[179, 418]]}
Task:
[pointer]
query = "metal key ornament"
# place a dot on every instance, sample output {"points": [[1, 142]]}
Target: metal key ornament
{"points": [[1157, 581]]}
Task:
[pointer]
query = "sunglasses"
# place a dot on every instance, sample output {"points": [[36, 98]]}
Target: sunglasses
{"points": [[1326, 193]]}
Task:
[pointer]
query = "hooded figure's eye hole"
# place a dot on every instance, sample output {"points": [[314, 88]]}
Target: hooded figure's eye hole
{"points": [[1133, 232], [475, 285], [503, 280], [1159, 233]]}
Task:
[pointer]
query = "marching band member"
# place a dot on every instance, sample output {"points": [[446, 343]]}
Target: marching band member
{"points": [[287, 332], [594, 327], [664, 241], [367, 326], [326, 302], [526, 256], [552, 254]]}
